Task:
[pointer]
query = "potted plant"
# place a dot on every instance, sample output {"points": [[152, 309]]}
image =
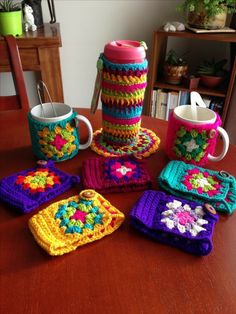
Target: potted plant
{"points": [[212, 73], [10, 18], [175, 68], [207, 14]]}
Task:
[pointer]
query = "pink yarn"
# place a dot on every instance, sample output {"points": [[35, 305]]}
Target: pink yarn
{"points": [[79, 215], [173, 127], [124, 88], [58, 142]]}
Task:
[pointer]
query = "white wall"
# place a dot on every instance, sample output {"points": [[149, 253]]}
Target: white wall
{"points": [[86, 26]]}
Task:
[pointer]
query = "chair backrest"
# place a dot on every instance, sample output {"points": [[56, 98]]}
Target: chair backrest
{"points": [[9, 53]]}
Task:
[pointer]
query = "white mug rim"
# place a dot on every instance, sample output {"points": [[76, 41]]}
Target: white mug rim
{"points": [[61, 117], [178, 115]]}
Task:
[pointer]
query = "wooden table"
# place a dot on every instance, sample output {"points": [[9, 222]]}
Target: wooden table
{"points": [[125, 272], [39, 52]]}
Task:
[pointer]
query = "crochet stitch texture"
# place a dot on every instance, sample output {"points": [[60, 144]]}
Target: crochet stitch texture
{"points": [[115, 174], [197, 183], [123, 88], [175, 221], [191, 143], [65, 225], [28, 189], [55, 141]]}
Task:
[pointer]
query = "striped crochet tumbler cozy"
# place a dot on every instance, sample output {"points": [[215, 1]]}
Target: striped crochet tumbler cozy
{"points": [[123, 68]]}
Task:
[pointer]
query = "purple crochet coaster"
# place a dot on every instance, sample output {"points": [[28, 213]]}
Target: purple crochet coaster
{"points": [[115, 174], [28, 189], [184, 224]]}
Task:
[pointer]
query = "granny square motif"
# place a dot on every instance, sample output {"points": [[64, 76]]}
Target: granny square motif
{"points": [[118, 174], [197, 183], [189, 142], [65, 225], [28, 189], [175, 221]]}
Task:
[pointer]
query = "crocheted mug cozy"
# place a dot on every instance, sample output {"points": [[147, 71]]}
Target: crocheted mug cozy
{"points": [[28, 189], [123, 88], [56, 141], [70, 223], [175, 221], [204, 185], [115, 174], [191, 142]]}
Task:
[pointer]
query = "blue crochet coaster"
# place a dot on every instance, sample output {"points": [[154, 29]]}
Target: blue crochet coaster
{"points": [[200, 184]]}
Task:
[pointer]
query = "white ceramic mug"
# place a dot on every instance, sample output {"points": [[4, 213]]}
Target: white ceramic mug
{"points": [[54, 131], [193, 131]]}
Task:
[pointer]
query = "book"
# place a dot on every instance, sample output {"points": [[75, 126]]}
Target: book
{"points": [[184, 98], [207, 101], [153, 108], [172, 102], [163, 105], [201, 30], [158, 103]]}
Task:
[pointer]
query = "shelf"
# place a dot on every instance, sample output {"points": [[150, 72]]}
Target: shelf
{"points": [[223, 37], [201, 89], [157, 60]]}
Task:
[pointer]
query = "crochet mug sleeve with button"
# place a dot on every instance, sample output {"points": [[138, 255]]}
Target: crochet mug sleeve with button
{"points": [[65, 225]]}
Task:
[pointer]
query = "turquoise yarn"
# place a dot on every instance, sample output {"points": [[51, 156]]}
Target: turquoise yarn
{"points": [[124, 66], [126, 113], [36, 126], [200, 184]]}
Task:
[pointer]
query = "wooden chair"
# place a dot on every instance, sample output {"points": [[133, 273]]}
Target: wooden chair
{"points": [[10, 57]]}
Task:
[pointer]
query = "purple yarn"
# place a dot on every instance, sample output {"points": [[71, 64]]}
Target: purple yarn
{"points": [[147, 216], [19, 196]]}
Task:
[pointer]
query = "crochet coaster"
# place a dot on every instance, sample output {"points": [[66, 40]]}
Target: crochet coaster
{"points": [[175, 221], [203, 185], [117, 174], [146, 144], [70, 223], [28, 189]]}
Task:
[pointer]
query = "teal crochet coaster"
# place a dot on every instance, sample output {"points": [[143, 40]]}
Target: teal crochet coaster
{"points": [[200, 184]]}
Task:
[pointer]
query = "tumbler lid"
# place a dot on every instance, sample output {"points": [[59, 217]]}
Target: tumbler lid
{"points": [[125, 51]]}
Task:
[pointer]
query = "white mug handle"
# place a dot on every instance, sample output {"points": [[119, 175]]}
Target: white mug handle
{"points": [[225, 138], [90, 131]]}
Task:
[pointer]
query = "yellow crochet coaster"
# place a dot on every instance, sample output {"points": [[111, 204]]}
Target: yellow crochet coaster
{"points": [[69, 223]]}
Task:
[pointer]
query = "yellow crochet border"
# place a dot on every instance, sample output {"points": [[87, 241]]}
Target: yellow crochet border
{"points": [[52, 238], [124, 79]]}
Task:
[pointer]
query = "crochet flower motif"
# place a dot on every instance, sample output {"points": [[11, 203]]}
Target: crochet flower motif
{"points": [[38, 181], [76, 217], [190, 145], [184, 218], [125, 169], [202, 182], [57, 142]]}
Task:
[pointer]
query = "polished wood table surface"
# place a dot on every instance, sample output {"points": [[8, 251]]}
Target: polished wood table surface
{"points": [[124, 272], [39, 52]]}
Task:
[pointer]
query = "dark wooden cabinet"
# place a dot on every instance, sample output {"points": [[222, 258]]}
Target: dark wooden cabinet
{"points": [[158, 53]]}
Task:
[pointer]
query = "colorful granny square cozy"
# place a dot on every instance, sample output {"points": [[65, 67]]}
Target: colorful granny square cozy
{"points": [[117, 174], [204, 185], [70, 223], [28, 189], [175, 221]]}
